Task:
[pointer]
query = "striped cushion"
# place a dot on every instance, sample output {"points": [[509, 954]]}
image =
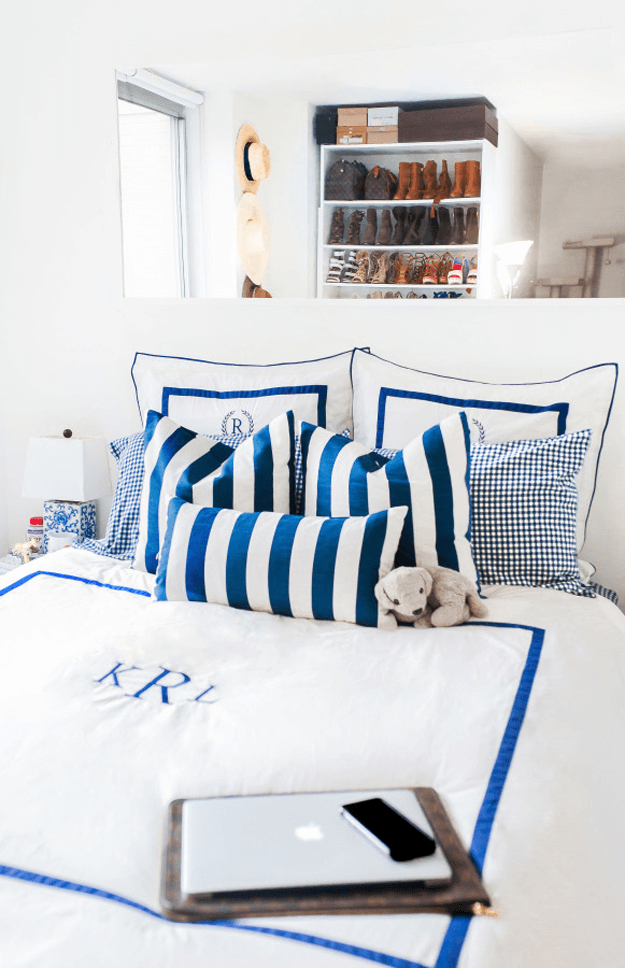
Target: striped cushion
{"points": [[429, 476], [256, 476], [305, 567]]}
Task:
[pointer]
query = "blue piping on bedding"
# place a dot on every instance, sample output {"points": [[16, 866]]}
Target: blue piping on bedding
{"points": [[459, 925]]}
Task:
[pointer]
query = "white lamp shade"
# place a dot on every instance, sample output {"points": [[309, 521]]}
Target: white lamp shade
{"points": [[66, 469]]}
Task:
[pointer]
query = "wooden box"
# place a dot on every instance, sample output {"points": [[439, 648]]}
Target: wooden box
{"points": [[458, 123]]}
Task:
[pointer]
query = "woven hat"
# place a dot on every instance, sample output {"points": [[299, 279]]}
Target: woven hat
{"points": [[252, 159], [252, 291], [253, 239]]}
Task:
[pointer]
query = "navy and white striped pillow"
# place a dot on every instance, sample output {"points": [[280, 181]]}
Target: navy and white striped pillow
{"points": [[304, 567], [429, 476], [257, 476], [525, 500]]}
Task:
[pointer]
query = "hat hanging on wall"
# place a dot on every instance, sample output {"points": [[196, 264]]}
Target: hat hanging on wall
{"points": [[253, 240], [252, 291], [252, 158]]}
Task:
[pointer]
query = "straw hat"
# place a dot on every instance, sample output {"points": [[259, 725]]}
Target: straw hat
{"points": [[253, 239], [252, 291], [252, 159]]}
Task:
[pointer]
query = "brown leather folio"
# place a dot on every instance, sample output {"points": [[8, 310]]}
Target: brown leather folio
{"points": [[463, 893]]}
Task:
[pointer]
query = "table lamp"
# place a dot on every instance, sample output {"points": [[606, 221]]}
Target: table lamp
{"points": [[511, 256], [68, 473]]}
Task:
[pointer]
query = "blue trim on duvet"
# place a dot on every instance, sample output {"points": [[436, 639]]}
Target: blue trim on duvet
{"points": [[459, 925]]}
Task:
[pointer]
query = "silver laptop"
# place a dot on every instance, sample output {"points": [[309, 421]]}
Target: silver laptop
{"points": [[292, 840]]}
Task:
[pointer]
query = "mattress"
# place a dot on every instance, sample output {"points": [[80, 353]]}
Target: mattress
{"points": [[114, 704]]}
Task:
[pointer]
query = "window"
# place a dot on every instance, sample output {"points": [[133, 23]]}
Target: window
{"points": [[158, 142]]}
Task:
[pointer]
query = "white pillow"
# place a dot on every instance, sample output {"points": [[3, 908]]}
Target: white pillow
{"points": [[227, 398], [392, 404]]}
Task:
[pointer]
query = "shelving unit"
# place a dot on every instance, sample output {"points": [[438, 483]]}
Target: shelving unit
{"points": [[390, 156]]}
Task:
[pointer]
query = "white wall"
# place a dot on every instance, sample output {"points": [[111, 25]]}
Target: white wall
{"points": [[67, 336], [579, 203]]}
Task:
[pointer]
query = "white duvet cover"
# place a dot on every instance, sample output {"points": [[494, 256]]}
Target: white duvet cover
{"points": [[113, 704]]}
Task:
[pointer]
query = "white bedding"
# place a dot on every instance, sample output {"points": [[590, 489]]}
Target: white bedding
{"points": [[92, 754]]}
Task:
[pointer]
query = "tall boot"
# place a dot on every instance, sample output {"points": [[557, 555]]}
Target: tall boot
{"points": [[444, 226], [460, 182], [430, 230], [386, 228], [457, 235], [472, 230], [372, 227], [404, 181], [337, 227], [400, 224], [413, 225], [353, 229], [473, 184], [417, 185], [444, 182], [429, 177]]}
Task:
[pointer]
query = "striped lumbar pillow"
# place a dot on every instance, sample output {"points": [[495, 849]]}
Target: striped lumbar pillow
{"points": [[305, 567], [256, 476], [429, 476]]}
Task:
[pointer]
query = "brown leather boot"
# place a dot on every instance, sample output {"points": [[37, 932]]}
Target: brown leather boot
{"points": [[353, 229], [471, 228], [404, 181], [386, 228], [429, 177], [460, 182], [337, 227], [444, 183], [372, 227], [473, 187], [400, 225], [417, 184], [414, 221]]}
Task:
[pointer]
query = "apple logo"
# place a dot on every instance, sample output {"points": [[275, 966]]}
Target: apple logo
{"points": [[310, 831]]}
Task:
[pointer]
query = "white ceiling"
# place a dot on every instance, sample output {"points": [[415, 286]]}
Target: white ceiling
{"points": [[554, 70]]}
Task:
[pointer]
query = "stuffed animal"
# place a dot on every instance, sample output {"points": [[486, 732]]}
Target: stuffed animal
{"points": [[426, 597]]}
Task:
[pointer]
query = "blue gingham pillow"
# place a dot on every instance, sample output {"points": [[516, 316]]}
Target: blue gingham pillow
{"points": [[429, 476], [122, 530], [257, 476], [524, 503], [285, 564]]}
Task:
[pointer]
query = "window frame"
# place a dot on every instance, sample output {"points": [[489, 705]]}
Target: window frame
{"points": [[182, 105]]}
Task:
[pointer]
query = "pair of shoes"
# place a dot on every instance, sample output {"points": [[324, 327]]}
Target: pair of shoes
{"points": [[374, 237], [467, 183], [465, 227], [410, 183]]}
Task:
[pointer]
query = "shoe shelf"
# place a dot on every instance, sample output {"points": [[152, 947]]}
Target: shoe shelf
{"points": [[391, 203], [420, 158], [404, 248]]}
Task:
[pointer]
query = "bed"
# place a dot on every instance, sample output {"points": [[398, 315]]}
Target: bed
{"points": [[125, 686]]}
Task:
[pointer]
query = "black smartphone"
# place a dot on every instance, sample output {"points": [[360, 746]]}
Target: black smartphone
{"points": [[388, 829]]}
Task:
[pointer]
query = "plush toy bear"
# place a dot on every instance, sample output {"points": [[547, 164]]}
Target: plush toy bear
{"points": [[426, 597]]}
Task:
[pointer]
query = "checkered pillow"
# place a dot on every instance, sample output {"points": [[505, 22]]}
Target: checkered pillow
{"points": [[122, 532], [524, 511]]}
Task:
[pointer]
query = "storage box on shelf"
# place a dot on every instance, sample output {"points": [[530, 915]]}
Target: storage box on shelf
{"points": [[391, 242]]}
